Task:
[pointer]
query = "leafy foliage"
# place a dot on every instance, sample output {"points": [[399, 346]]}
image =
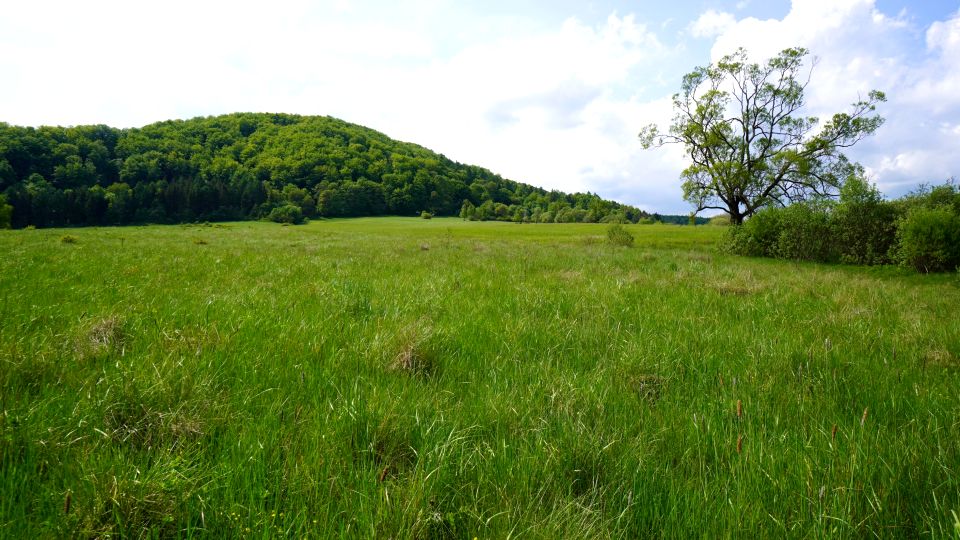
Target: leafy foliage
{"points": [[245, 165], [864, 224], [805, 233], [6, 212], [288, 213], [929, 239], [920, 231], [619, 236], [758, 236], [750, 148]]}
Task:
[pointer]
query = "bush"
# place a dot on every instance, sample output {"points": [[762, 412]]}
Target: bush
{"points": [[801, 232], [805, 234], [865, 226], [288, 213], [921, 230], [619, 236], [6, 213], [928, 239], [757, 236], [926, 196], [426, 215], [722, 220]]}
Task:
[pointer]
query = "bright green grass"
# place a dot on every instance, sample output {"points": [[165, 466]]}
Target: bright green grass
{"points": [[426, 379]]}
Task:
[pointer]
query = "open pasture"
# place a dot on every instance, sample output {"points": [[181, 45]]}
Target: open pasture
{"points": [[407, 378]]}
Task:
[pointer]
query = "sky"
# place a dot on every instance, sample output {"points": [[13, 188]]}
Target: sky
{"points": [[551, 93]]}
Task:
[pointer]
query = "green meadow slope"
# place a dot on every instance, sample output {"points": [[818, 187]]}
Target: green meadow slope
{"points": [[407, 378]]}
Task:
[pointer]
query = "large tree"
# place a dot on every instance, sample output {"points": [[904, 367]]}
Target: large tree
{"points": [[742, 127]]}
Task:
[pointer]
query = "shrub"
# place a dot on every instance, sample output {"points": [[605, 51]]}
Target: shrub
{"points": [[806, 233], [926, 196], [757, 236], [6, 213], [928, 239], [865, 226], [800, 232], [619, 236], [861, 229], [288, 213], [426, 215], [68, 239], [723, 220]]}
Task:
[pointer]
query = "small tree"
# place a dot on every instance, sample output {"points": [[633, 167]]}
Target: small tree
{"points": [[618, 235], [740, 124], [6, 213], [468, 211]]}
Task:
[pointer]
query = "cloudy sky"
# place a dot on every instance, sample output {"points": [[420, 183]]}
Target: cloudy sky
{"points": [[551, 93]]}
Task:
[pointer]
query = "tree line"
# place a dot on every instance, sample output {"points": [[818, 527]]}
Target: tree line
{"points": [[252, 166]]}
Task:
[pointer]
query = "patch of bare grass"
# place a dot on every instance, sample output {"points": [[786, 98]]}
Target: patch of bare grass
{"points": [[416, 354], [941, 357], [104, 336], [648, 386]]}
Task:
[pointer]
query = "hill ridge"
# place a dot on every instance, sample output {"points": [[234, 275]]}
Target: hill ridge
{"points": [[247, 165]]}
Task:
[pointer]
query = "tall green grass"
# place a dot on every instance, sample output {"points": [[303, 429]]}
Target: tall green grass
{"points": [[408, 378]]}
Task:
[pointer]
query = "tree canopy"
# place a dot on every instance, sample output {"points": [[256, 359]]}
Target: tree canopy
{"points": [[742, 127], [252, 165]]}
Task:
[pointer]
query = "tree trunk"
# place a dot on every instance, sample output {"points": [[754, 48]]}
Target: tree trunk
{"points": [[736, 218]]}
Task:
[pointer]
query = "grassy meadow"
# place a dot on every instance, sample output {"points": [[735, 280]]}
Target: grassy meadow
{"points": [[406, 378]]}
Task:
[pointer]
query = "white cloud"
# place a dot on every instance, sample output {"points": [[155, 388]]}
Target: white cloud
{"points": [[540, 104], [858, 49], [711, 23], [540, 108], [945, 36], [137, 63], [557, 104]]}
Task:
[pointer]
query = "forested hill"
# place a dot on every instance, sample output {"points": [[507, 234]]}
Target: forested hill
{"points": [[250, 166]]}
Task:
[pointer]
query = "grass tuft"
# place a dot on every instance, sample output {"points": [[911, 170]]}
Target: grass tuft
{"points": [[100, 338], [648, 386], [618, 235], [417, 354]]}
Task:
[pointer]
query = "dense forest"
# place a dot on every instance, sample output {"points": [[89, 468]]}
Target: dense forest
{"points": [[251, 166]]}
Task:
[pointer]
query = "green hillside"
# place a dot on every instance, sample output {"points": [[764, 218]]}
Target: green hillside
{"points": [[250, 166]]}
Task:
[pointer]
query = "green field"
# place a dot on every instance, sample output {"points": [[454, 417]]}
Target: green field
{"points": [[405, 378]]}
